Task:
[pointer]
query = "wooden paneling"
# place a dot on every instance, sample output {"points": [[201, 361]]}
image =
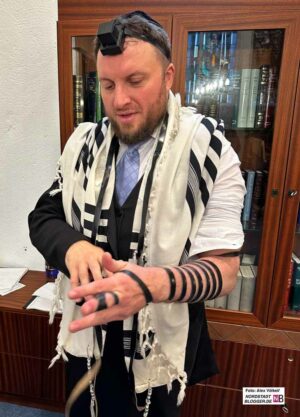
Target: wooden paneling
{"points": [[193, 405], [240, 365], [228, 403], [292, 408], [211, 401], [28, 335], [30, 377], [91, 9], [281, 368]]}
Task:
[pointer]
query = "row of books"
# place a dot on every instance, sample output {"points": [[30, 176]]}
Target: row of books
{"points": [[86, 98], [292, 293], [257, 97], [256, 184], [233, 76], [241, 297]]}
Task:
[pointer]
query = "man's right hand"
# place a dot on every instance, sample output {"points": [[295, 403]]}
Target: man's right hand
{"points": [[84, 261]]}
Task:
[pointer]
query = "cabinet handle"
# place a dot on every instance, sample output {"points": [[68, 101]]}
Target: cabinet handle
{"points": [[285, 409], [292, 193]]}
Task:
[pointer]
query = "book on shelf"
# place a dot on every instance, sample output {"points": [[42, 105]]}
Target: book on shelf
{"points": [[244, 97], [99, 105], [270, 97], [253, 91], [244, 53], [90, 96], [78, 85], [210, 303], [257, 200], [233, 300], [248, 259], [254, 269], [295, 295], [221, 302], [287, 294], [262, 96], [233, 94], [250, 176], [78, 99], [248, 288]]}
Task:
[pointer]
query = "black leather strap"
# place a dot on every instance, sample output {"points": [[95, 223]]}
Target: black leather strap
{"points": [[146, 199], [143, 286], [112, 151], [172, 283], [219, 278], [193, 283], [184, 285]]}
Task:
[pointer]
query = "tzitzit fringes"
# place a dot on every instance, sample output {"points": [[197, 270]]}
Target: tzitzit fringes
{"points": [[59, 179], [93, 403], [57, 296], [148, 401]]}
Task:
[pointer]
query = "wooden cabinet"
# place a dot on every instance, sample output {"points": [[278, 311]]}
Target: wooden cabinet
{"points": [[272, 148], [244, 57], [245, 365], [27, 344]]}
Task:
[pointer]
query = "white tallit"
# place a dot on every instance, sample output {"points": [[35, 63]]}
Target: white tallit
{"points": [[182, 182]]}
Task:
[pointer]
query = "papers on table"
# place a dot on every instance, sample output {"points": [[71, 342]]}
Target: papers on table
{"points": [[43, 298], [9, 279]]}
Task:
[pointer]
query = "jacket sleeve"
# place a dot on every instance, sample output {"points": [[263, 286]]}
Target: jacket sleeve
{"points": [[49, 232]]}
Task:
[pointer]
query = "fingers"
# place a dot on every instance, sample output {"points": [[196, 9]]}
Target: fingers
{"points": [[92, 288], [102, 301], [84, 261], [110, 264]]}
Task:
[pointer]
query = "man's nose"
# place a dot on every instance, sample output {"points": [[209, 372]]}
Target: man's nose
{"points": [[121, 97]]}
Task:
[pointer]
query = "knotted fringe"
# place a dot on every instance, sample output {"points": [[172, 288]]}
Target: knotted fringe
{"points": [[158, 359], [88, 379], [59, 179], [56, 301]]}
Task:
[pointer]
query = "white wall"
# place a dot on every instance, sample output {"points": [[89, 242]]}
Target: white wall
{"points": [[29, 128]]}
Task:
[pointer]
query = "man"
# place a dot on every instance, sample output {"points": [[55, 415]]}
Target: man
{"points": [[141, 258]]}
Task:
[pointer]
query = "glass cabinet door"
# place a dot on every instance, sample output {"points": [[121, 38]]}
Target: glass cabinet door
{"points": [[291, 304], [87, 105], [233, 76]]}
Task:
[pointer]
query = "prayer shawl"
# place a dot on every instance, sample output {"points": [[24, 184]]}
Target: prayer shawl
{"points": [[183, 180]]}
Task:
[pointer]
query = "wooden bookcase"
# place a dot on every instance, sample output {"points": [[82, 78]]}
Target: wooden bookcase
{"points": [[268, 332]]}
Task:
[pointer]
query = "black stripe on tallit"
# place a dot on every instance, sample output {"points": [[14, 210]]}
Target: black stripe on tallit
{"points": [[211, 168]]}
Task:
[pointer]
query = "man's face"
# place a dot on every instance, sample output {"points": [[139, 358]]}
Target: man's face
{"points": [[134, 89]]}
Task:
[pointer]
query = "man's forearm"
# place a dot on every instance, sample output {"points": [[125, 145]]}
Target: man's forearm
{"points": [[199, 280]]}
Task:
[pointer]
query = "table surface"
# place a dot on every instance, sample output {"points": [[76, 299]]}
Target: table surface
{"points": [[16, 300]]}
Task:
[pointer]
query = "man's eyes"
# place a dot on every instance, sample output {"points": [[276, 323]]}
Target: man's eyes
{"points": [[135, 82], [107, 86]]}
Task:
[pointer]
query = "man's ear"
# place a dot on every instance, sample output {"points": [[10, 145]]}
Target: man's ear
{"points": [[169, 75]]}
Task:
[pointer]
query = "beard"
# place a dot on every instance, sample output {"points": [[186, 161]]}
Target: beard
{"points": [[144, 131]]}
